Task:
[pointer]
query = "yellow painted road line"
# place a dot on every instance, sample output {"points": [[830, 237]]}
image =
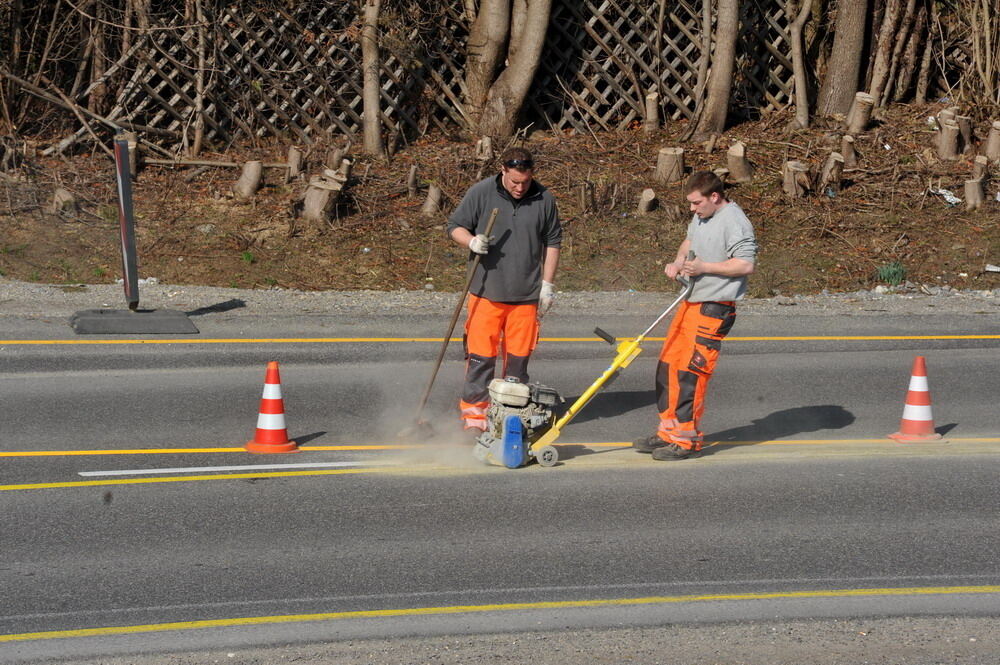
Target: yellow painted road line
{"points": [[505, 607], [181, 479], [438, 340], [188, 451], [417, 446]]}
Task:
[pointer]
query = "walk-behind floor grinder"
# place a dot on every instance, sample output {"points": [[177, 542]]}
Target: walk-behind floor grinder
{"points": [[521, 421]]}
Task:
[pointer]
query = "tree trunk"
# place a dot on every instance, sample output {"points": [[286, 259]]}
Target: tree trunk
{"points": [[904, 37], [844, 67], [910, 57], [373, 143], [199, 80], [506, 96], [98, 60], [720, 80], [487, 37], [883, 52], [799, 65], [923, 76]]}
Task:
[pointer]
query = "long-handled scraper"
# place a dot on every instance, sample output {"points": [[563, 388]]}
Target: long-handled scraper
{"points": [[628, 350], [421, 426]]}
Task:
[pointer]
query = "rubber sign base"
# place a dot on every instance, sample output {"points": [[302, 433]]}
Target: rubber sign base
{"points": [[128, 322]]}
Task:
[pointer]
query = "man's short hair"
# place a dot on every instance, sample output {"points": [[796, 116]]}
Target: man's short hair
{"points": [[705, 183], [517, 158]]}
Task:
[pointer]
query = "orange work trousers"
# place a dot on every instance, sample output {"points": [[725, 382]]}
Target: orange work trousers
{"points": [[686, 363], [493, 329]]}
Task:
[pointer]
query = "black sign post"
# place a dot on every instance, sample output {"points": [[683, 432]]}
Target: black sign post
{"points": [[132, 320]]}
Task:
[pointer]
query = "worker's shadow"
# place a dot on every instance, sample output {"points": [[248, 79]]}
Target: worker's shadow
{"points": [[776, 425], [780, 424]]}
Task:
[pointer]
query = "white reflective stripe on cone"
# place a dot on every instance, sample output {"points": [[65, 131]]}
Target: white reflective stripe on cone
{"points": [[270, 421], [272, 391], [914, 412], [919, 384]]}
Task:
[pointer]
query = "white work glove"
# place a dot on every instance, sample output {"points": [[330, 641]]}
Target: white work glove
{"points": [[545, 298], [479, 244]]}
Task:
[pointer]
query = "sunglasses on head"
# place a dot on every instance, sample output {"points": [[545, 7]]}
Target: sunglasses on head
{"points": [[519, 163]]}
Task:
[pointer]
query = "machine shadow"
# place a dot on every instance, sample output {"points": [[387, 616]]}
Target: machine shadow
{"points": [[609, 404], [784, 423]]}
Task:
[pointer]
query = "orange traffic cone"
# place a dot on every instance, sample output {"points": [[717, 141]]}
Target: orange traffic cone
{"points": [[917, 423], [271, 436]]}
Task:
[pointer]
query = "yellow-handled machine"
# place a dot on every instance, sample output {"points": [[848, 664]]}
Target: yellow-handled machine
{"points": [[628, 350]]}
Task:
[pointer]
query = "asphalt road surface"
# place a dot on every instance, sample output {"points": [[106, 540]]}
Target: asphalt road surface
{"points": [[134, 526]]}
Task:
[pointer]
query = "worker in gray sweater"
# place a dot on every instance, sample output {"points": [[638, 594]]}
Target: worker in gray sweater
{"points": [[514, 284], [725, 252]]}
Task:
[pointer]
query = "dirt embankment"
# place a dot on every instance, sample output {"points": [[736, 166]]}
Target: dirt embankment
{"points": [[882, 226]]}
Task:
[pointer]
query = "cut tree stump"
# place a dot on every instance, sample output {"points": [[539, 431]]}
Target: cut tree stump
{"points": [[63, 203], [651, 122], [975, 195], [964, 123], [321, 196], [345, 169], [830, 176], [647, 202], [484, 149], [980, 167], [847, 150], [411, 182], [432, 204], [740, 169], [993, 142], [947, 148], [860, 114], [669, 165], [294, 164], [586, 196], [249, 182], [795, 179]]}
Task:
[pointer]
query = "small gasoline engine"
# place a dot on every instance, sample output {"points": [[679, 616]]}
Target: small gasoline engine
{"points": [[519, 413]]}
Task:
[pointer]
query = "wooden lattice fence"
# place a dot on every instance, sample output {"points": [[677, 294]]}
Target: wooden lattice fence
{"points": [[297, 74]]}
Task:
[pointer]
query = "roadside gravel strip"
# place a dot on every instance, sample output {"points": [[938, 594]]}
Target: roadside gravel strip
{"points": [[44, 300]]}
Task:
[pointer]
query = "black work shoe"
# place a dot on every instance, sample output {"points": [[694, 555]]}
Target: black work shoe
{"points": [[672, 451], [648, 444]]}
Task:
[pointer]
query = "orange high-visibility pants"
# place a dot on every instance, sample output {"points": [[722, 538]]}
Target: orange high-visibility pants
{"points": [[686, 363], [492, 328]]}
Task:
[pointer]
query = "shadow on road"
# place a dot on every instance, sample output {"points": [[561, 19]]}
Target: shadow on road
{"points": [[609, 404], [225, 306], [784, 423]]}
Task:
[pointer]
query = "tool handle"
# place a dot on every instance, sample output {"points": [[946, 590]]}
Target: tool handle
{"points": [[610, 339], [454, 316]]}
